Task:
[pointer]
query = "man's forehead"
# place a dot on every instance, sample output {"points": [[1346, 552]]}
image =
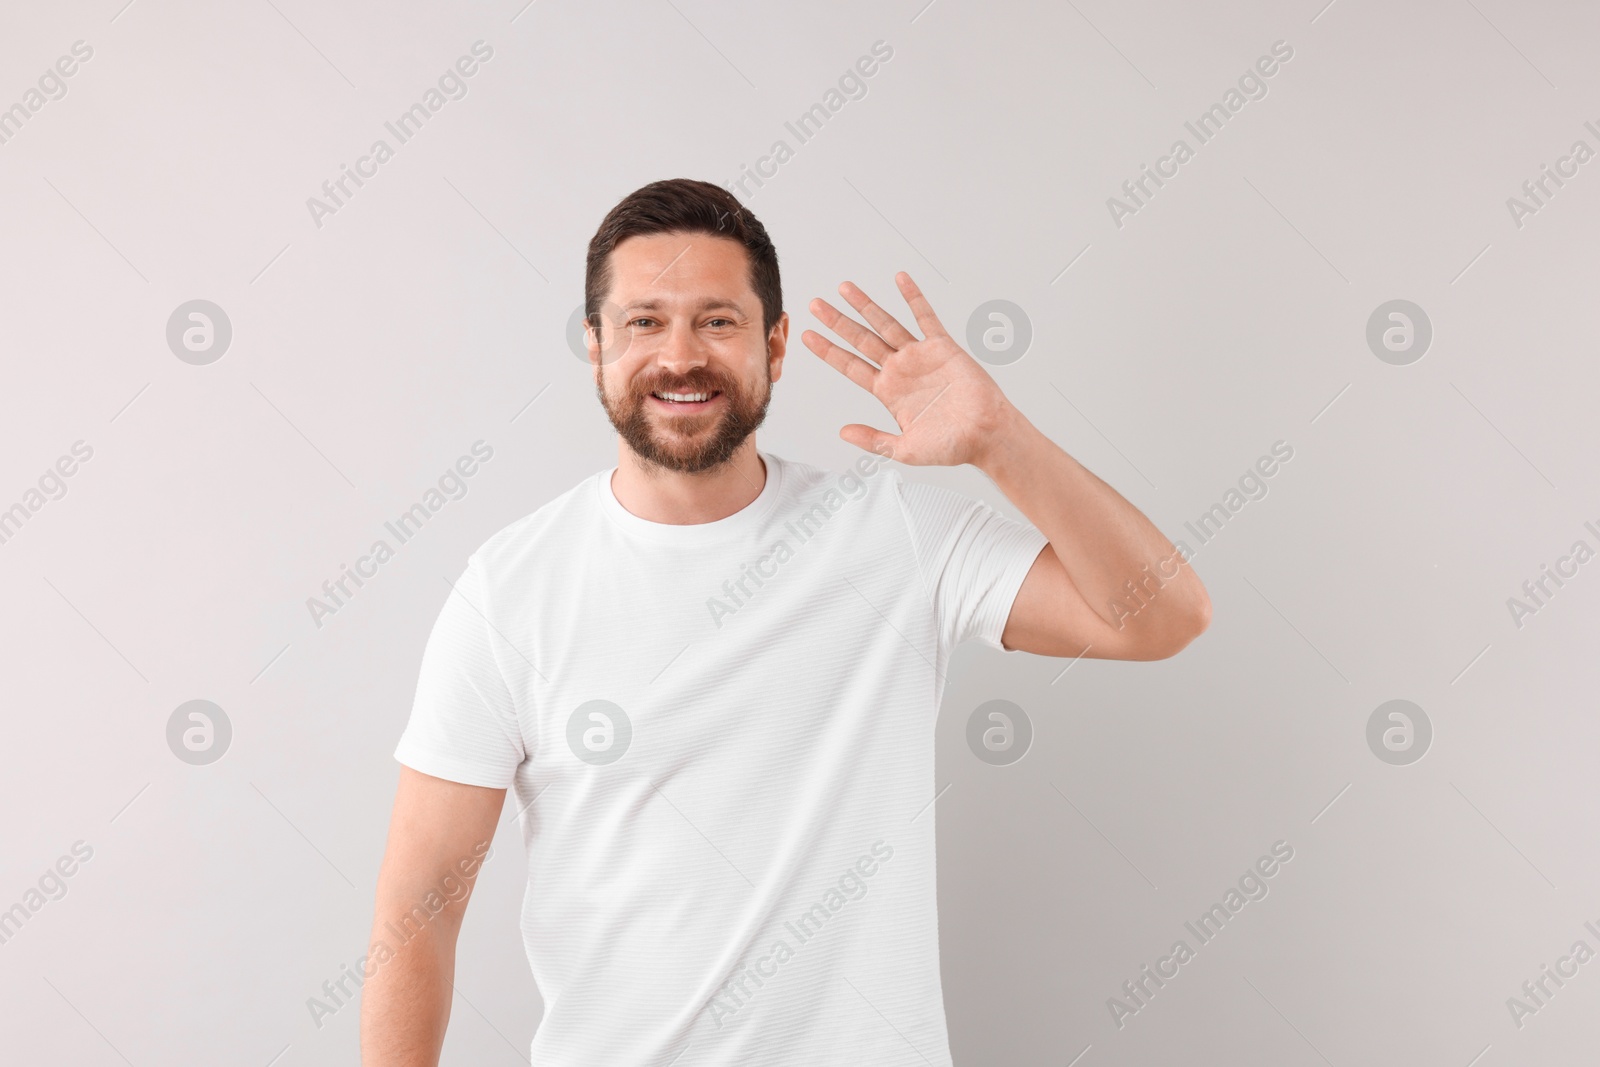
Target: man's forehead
{"points": [[694, 268], [666, 254]]}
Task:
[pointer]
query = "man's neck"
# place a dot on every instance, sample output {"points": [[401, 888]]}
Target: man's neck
{"points": [[657, 494]]}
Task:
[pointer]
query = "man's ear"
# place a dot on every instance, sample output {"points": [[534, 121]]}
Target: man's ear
{"points": [[778, 344], [591, 344], [610, 331]]}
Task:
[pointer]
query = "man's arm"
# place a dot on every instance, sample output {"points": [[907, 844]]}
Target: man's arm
{"points": [[438, 835], [1103, 551], [1109, 585]]}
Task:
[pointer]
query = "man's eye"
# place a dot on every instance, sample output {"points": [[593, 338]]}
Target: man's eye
{"points": [[646, 321], [728, 322]]}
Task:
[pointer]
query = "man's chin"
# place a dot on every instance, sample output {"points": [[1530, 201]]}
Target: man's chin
{"points": [[689, 444], [687, 453], [683, 434]]}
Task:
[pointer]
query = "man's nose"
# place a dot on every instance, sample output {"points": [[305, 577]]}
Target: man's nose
{"points": [[681, 350]]}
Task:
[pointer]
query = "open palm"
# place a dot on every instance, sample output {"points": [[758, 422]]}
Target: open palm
{"points": [[945, 403]]}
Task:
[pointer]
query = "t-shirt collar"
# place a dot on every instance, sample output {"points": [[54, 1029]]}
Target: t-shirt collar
{"points": [[741, 523]]}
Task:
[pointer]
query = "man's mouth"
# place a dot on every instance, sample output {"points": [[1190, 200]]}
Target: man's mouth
{"points": [[686, 401]]}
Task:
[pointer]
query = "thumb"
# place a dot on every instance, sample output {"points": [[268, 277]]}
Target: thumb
{"points": [[870, 440]]}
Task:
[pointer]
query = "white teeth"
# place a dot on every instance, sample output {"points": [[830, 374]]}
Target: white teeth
{"points": [[684, 397]]}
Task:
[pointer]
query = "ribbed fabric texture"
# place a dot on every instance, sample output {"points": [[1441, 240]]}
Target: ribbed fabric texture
{"points": [[752, 880]]}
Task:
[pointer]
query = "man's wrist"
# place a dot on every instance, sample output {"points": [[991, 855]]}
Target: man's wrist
{"points": [[1004, 443]]}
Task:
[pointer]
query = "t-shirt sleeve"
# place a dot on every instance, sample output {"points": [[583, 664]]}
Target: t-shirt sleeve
{"points": [[463, 724], [972, 559]]}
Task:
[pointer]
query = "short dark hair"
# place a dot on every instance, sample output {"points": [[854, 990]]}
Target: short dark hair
{"points": [[684, 205]]}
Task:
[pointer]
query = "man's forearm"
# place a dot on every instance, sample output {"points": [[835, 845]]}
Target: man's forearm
{"points": [[1102, 541], [405, 1005]]}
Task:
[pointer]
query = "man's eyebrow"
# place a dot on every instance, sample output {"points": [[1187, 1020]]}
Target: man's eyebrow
{"points": [[704, 305]]}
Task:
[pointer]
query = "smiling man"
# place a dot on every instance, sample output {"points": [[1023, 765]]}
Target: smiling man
{"points": [[711, 675]]}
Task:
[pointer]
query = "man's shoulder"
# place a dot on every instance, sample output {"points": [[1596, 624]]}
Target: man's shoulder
{"points": [[864, 474], [561, 518]]}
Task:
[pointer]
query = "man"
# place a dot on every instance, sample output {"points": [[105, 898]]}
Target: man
{"points": [[711, 675]]}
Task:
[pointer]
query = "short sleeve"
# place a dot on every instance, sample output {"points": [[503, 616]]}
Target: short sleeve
{"points": [[463, 724], [973, 560]]}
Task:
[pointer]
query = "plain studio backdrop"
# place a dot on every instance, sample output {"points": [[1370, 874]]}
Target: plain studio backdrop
{"points": [[1361, 258]]}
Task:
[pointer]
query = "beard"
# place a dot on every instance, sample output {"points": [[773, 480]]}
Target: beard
{"points": [[688, 444]]}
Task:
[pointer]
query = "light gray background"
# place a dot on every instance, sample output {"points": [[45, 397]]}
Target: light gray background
{"points": [[1168, 355]]}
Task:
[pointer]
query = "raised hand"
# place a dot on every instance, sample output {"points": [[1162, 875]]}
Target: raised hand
{"points": [[947, 407]]}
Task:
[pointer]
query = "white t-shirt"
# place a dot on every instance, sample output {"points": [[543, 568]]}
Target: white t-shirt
{"points": [[721, 737]]}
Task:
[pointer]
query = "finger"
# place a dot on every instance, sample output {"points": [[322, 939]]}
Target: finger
{"points": [[931, 326], [871, 345], [887, 325], [865, 437], [842, 360]]}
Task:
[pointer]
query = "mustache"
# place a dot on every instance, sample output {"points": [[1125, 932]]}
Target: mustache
{"points": [[693, 384]]}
